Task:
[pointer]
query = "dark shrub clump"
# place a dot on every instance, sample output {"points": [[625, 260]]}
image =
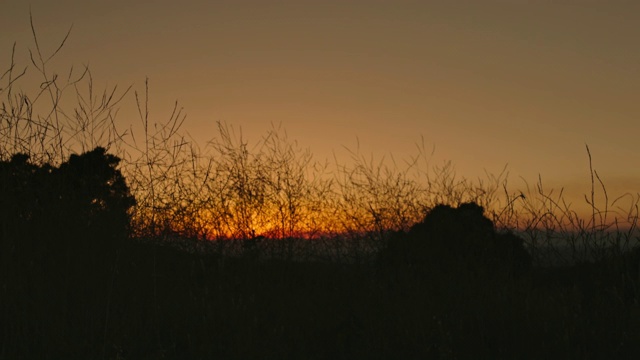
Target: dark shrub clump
{"points": [[457, 241]]}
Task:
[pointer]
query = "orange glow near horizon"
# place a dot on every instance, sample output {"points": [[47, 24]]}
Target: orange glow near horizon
{"points": [[203, 226]]}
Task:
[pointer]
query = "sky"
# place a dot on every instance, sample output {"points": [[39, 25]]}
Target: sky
{"points": [[486, 83]]}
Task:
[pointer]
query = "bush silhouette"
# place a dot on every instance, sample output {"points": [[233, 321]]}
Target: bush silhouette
{"points": [[52, 215], [95, 191], [457, 241]]}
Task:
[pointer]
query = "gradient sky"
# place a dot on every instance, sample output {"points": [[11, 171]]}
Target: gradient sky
{"points": [[488, 83]]}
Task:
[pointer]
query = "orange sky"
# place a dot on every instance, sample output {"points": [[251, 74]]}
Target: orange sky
{"points": [[488, 83]]}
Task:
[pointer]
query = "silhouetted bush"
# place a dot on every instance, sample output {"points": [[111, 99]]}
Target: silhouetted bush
{"points": [[52, 212], [457, 241], [95, 192]]}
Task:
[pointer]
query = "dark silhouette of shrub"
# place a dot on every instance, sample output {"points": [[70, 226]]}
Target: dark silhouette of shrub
{"points": [[95, 194], [86, 197], [457, 241], [57, 221]]}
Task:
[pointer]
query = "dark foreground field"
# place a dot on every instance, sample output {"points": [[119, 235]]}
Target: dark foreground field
{"points": [[153, 302]]}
